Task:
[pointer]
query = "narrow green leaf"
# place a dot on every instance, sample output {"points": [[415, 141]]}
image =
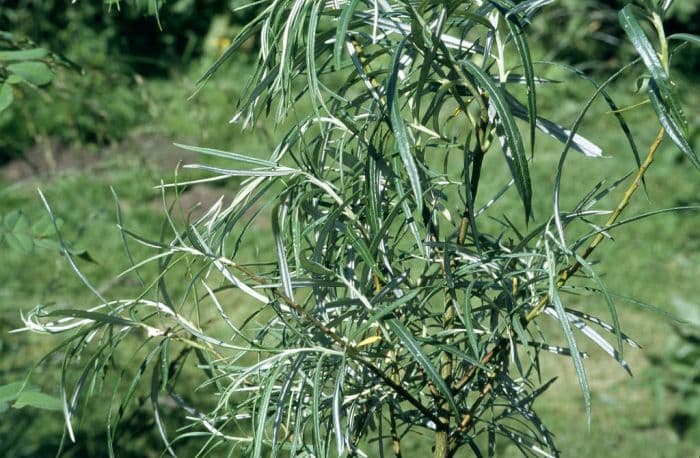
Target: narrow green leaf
{"points": [[384, 312], [467, 316], [654, 65], [263, 410], [454, 351], [154, 10], [94, 316], [65, 401], [363, 250], [636, 218], [410, 221], [67, 252], [568, 333], [664, 5], [281, 252], [275, 172], [529, 73], [373, 186], [155, 405], [136, 376], [641, 43], [312, 73], [508, 134], [674, 131], [248, 31], [610, 328], [227, 155], [476, 18], [316, 393], [423, 361], [342, 31], [617, 328], [122, 233], [693, 39], [284, 397], [400, 133], [338, 410]]}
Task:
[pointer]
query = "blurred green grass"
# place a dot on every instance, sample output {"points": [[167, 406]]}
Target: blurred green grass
{"points": [[656, 260]]}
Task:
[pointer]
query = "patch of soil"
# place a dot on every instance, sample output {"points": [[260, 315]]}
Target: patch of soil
{"points": [[138, 150], [53, 157], [198, 199], [156, 151], [47, 158]]}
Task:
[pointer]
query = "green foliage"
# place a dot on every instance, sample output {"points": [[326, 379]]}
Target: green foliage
{"points": [[67, 109], [675, 376], [82, 196], [19, 395], [21, 64], [585, 33], [147, 36], [110, 41], [397, 292], [19, 233]]}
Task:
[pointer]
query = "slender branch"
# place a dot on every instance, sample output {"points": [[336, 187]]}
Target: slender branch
{"points": [[461, 383], [469, 415], [401, 391], [567, 273], [442, 432], [446, 360]]}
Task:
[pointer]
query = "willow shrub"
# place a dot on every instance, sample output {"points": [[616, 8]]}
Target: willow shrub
{"points": [[382, 310]]}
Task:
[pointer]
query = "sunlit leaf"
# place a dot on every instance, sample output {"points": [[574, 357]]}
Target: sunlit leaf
{"points": [[509, 134], [400, 132]]}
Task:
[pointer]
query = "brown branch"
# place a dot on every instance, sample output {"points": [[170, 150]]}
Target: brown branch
{"points": [[485, 360], [469, 415], [401, 391]]}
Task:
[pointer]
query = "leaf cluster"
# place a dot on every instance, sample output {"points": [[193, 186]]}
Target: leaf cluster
{"points": [[22, 63]]}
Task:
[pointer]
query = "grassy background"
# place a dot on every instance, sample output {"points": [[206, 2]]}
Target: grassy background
{"points": [[656, 260]]}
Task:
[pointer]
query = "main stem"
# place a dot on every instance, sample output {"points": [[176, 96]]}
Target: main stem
{"points": [[442, 443], [442, 433]]}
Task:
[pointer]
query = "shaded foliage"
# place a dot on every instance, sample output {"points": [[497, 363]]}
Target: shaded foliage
{"points": [[132, 35]]}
